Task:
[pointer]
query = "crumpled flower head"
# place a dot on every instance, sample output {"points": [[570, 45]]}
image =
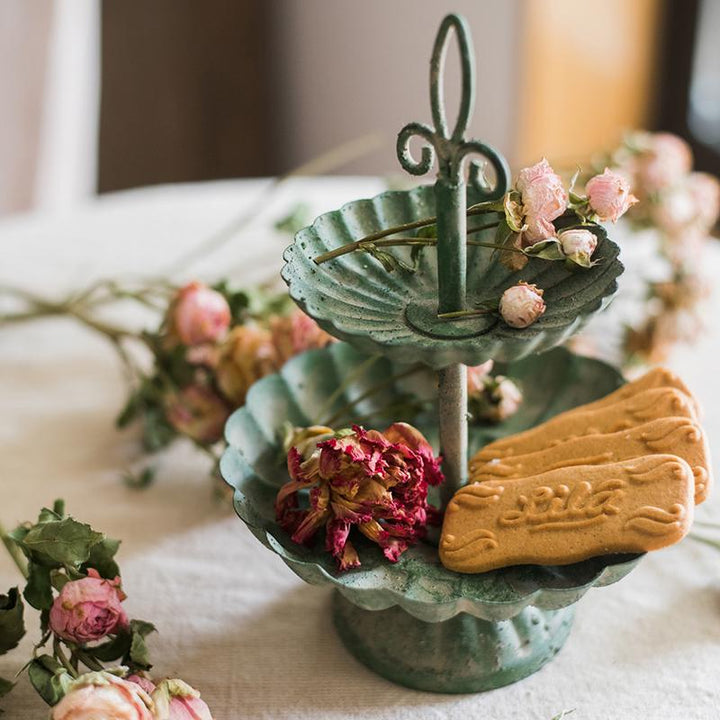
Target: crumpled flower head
{"points": [[375, 481]]}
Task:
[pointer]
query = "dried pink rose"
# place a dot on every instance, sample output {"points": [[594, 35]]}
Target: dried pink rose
{"points": [[705, 191], [198, 315], [296, 333], [198, 412], [145, 683], [103, 695], [476, 376], [664, 161], [675, 211], [246, 355], [578, 244], [543, 199], [88, 609], [374, 481], [176, 700], [497, 399], [521, 305], [609, 195]]}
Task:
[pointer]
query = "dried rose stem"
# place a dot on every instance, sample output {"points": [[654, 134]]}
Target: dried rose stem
{"points": [[338, 414], [14, 551], [62, 657], [374, 238]]}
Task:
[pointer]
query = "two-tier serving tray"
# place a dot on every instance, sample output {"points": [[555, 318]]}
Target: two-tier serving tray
{"points": [[416, 622]]}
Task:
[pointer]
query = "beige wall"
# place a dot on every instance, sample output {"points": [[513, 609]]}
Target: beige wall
{"points": [[350, 67]]}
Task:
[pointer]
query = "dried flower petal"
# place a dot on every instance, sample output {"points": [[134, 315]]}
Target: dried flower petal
{"points": [[376, 481]]}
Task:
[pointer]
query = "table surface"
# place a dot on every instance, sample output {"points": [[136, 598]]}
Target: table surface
{"points": [[233, 620]]}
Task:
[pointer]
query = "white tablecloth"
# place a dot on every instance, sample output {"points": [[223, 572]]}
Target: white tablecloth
{"points": [[233, 620]]}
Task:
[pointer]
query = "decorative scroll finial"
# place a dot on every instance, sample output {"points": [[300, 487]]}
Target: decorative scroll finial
{"points": [[451, 150]]}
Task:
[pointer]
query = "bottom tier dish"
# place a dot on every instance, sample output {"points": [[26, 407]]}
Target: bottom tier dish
{"points": [[479, 631]]}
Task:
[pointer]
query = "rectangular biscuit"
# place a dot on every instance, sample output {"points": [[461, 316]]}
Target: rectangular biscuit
{"points": [[657, 377], [568, 515], [629, 412], [674, 436]]}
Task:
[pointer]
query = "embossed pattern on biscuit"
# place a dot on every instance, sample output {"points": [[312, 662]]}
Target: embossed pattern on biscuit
{"points": [[630, 412], [568, 515], [673, 436], [655, 378]]}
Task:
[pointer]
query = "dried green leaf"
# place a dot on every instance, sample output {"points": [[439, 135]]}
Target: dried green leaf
{"points": [[140, 480], [49, 678], [298, 218], [549, 249], [427, 232], [139, 655], [12, 627], [66, 541], [101, 558], [5, 687], [38, 589], [114, 649]]}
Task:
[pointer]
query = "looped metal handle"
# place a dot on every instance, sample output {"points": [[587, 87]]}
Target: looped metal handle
{"points": [[451, 150]]}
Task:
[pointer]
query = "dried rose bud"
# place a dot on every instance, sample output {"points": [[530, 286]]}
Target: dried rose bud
{"points": [[198, 314], [609, 195], [521, 305], [198, 412], [705, 191], [664, 161], [246, 355], [543, 199], [476, 376], [176, 700], [498, 399], [104, 695], [578, 244], [88, 609], [296, 333]]}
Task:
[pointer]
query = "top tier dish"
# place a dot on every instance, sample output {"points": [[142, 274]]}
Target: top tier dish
{"points": [[355, 298]]}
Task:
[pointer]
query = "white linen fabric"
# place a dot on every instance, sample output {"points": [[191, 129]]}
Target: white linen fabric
{"points": [[234, 621]]}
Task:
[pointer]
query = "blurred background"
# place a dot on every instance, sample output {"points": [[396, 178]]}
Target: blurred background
{"points": [[103, 95]]}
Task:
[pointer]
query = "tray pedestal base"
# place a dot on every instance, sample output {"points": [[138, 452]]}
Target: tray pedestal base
{"points": [[462, 655]]}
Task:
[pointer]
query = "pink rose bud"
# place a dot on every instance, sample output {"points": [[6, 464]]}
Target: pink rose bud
{"points": [[246, 355], [198, 412], [675, 210], [103, 695], [176, 700], [88, 609], [521, 305], [296, 333], [543, 198], [199, 314], [609, 195], [705, 192], [578, 244], [664, 161], [476, 376]]}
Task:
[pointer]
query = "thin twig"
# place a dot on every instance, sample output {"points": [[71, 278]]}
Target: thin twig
{"points": [[15, 553], [341, 412]]}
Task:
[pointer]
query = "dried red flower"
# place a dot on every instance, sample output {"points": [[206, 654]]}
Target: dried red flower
{"points": [[375, 481]]}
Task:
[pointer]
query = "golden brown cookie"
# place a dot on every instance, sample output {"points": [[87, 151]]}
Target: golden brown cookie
{"points": [[634, 410], [658, 377], [568, 515], [672, 436]]}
